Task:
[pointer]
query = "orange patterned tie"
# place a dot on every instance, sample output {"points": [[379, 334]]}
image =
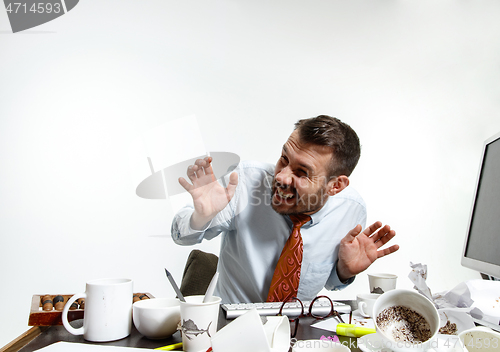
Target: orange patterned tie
{"points": [[286, 277]]}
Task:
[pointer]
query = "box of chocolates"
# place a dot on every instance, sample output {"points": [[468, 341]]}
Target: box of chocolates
{"points": [[47, 309]]}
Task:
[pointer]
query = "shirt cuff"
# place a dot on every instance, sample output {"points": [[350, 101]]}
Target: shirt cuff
{"points": [[193, 231], [334, 283], [181, 230]]}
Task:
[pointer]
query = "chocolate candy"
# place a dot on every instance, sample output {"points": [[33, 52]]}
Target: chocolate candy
{"points": [[47, 303], [81, 302], [59, 302]]}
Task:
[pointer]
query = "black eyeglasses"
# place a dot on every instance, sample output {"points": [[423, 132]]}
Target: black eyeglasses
{"points": [[315, 309]]}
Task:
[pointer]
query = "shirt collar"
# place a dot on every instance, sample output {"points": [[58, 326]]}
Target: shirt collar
{"points": [[320, 214], [316, 217]]}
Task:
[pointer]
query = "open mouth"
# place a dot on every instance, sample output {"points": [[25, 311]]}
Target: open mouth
{"points": [[284, 196]]}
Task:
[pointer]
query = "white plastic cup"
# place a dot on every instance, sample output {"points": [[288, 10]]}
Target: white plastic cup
{"points": [[381, 282], [198, 322], [108, 310]]}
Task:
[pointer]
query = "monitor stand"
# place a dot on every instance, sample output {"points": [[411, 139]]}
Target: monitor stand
{"points": [[489, 277]]}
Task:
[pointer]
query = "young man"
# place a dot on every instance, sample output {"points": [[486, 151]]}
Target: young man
{"points": [[255, 214]]}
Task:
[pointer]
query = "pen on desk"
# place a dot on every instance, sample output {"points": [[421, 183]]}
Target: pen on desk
{"points": [[353, 330], [174, 285], [170, 347], [350, 316], [211, 288]]}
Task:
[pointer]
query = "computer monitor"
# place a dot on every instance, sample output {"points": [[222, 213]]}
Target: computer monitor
{"points": [[481, 250]]}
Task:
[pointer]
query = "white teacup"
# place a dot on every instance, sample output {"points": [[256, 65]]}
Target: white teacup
{"points": [[108, 310], [414, 301], [366, 302], [480, 339]]}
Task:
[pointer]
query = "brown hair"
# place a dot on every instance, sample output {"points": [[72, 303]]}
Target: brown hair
{"points": [[340, 137]]}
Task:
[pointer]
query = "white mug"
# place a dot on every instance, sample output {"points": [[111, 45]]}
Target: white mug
{"points": [[108, 310], [365, 303]]}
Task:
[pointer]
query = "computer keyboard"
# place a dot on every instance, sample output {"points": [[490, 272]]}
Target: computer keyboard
{"points": [[234, 310]]}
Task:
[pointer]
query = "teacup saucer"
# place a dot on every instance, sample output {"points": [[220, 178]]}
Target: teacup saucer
{"points": [[372, 343]]}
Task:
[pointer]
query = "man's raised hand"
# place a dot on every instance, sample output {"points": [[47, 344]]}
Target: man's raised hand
{"points": [[358, 250], [209, 197]]}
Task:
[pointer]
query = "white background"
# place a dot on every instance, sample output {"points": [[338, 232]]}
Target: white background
{"points": [[418, 80]]}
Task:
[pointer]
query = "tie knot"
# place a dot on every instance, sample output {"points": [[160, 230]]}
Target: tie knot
{"points": [[299, 219]]}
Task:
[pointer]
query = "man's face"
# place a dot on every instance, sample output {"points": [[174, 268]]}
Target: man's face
{"points": [[301, 183]]}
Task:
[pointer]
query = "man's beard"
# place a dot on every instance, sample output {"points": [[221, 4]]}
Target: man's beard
{"points": [[308, 203]]}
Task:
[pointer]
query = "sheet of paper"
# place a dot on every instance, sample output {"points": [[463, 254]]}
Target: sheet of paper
{"points": [[83, 347], [486, 296], [359, 320], [356, 319]]}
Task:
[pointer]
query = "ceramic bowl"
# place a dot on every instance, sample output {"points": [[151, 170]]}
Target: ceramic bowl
{"points": [[157, 318]]}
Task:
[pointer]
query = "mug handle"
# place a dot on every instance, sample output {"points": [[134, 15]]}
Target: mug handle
{"points": [[65, 321], [360, 308]]}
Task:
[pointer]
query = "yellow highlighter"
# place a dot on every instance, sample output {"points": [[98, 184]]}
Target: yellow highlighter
{"points": [[353, 330], [170, 347]]}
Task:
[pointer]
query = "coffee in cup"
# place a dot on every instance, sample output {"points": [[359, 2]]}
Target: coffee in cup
{"points": [[405, 320]]}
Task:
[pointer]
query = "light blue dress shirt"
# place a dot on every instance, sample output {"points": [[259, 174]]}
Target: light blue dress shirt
{"points": [[253, 236]]}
